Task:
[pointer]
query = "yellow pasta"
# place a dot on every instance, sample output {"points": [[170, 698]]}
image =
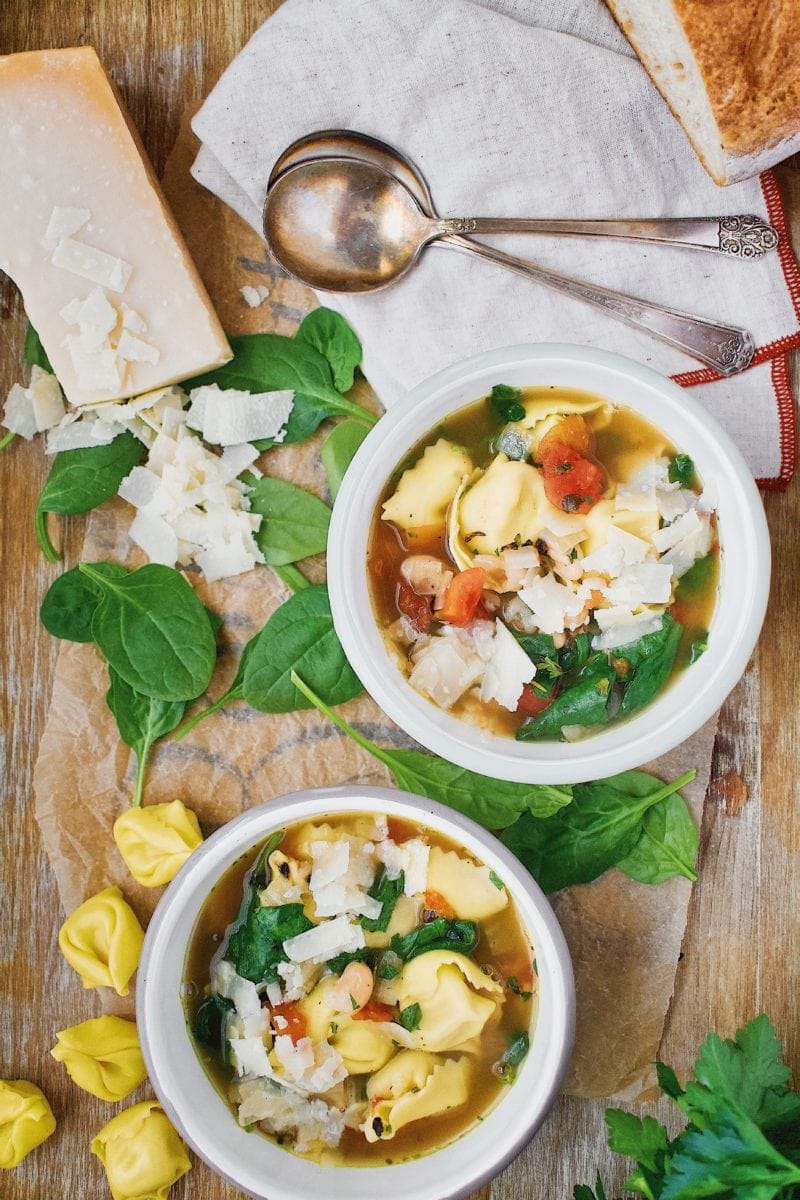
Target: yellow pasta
{"points": [[141, 1152], [102, 940], [468, 888], [26, 1120], [498, 509], [412, 1086], [425, 490], [156, 841], [102, 1056], [455, 997]]}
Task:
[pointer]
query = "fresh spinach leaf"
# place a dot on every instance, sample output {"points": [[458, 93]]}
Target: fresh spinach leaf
{"points": [[336, 341], [153, 630], [34, 351], [210, 1018], [697, 578], [338, 451], [264, 362], [387, 891], [585, 702], [440, 934], [651, 658], [537, 646], [505, 403], [596, 831], [518, 1047], [298, 636], [141, 721], [411, 1017], [667, 846], [574, 653], [495, 803], [295, 522], [337, 964], [681, 470], [69, 605], [256, 946], [698, 647], [79, 480]]}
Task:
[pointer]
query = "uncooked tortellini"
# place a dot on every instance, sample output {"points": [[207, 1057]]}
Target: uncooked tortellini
{"points": [[102, 1056], [455, 997], [156, 841], [102, 940], [411, 1086], [26, 1120], [141, 1152]]}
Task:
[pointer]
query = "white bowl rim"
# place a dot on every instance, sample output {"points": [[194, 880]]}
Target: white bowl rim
{"points": [[175, 1070], [675, 714]]}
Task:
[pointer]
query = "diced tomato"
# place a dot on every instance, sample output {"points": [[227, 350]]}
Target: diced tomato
{"points": [[416, 608], [373, 1011], [531, 702], [572, 482], [462, 597], [296, 1021], [482, 613], [435, 902], [570, 431]]}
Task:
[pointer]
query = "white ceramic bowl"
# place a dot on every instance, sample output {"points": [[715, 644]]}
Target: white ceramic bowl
{"points": [[255, 1164], [744, 576]]}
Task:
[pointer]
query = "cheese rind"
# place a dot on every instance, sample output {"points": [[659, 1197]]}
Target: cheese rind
{"points": [[67, 149]]}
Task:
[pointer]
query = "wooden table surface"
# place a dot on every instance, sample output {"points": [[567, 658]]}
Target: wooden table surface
{"points": [[742, 945]]}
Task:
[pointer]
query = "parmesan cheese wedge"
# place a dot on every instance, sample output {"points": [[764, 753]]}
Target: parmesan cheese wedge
{"points": [[81, 215]]}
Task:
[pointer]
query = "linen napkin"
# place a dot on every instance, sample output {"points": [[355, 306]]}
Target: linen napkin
{"points": [[519, 108]]}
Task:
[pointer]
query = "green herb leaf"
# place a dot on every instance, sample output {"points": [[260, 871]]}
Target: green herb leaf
{"points": [[387, 891], [575, 653], [584, 703], [440, 934], [256, 946], [495, 803], [34, 351], [596, 831], [513, 986], [537, 646], [518, 1047], [208, 1021], [69, 605], [668, 845], [79, 480], [651, 658], [153, 630], [505, 402], [668, 1081], [411, 1017], [582, 1191], [338, 451], [697, 578], [295, 522], [264, 362], [681, 470], [698, 647], [298, 636], [332, 336], [141, 721]]}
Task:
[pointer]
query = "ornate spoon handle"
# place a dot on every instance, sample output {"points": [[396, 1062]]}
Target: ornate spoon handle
{"points": [[744, 236], [726, 348]]}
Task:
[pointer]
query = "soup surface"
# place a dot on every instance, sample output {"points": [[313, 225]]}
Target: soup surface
{"points": [[544, 563], [360, 989]]}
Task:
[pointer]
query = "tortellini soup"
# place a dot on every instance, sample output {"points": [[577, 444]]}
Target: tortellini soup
{"points": [[360, 989], [544, 563]]}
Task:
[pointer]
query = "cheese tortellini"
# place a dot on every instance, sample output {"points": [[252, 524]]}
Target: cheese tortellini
{"points": [[26, 1120], [497, 508], [156, 841], [102, 940], [426, 489], [413, 1085], [456, 998], [141, 1152], [102, 1056], [469, 889]]}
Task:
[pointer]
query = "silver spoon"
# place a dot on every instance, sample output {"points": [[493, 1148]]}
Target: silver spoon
{"points": [[347, 224]]}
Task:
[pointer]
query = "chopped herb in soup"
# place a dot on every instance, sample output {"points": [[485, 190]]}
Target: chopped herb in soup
{"points": [[360, 989], [544, 563]]}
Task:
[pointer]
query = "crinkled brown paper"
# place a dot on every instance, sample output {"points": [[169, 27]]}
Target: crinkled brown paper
{"points": [[625, 937]]}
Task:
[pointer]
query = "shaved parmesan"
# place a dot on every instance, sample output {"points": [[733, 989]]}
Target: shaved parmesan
{"points": [[36, 408], [553, 604], [324, 941], [444, 668], [254, 296], [507, 670], [620, 626], [230, 417], [64, 222], [249, 1057], [133, 349], [18, 415], [91, 263], [645, 583], [228, 984]]}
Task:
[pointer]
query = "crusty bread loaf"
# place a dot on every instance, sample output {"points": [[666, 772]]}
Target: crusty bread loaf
{"points": [[730, 72]]}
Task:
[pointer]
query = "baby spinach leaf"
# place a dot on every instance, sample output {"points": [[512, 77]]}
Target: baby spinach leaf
{"points": [[537, 646], [505, 403], [495, 803], [70, 602], [386, 890], [574, 653], [336, 341], [153, 630], [264, 362], [141, 721], [651, 658], [681, 470], [518, 1046], [79, 480], [667, 846], [584, 703], [411, 1017], [298, 636], [256, 946], [440, 934], [338, 451], [34, 351], [210, 1018], [697, 578], [596, 831], [295, 522], [698, 647]]}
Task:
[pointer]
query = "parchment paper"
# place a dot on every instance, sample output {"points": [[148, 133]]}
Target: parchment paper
{"points": [[625, 937]]}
